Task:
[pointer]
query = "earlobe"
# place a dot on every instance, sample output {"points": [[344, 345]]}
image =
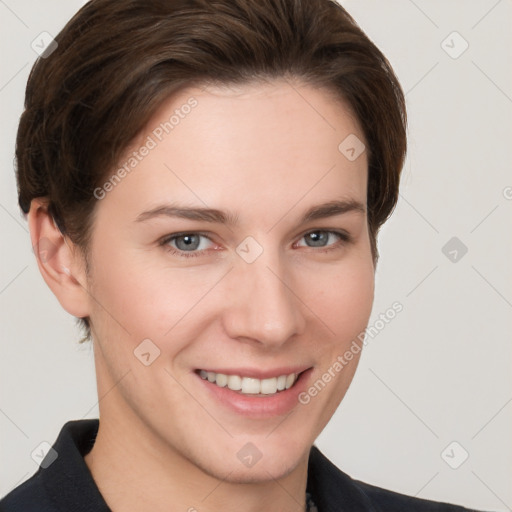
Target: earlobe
{"points": [[59, 261]]}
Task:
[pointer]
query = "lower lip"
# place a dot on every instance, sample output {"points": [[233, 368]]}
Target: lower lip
{"points": [[262, 406]]}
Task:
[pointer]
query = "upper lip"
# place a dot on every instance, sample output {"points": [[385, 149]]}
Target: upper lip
{"points": [[258, 373]]}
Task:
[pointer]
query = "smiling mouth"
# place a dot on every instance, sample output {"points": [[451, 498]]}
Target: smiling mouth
{"points": [[250, 385]]}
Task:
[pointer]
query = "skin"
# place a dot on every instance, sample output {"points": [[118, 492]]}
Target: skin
{"points": [[266, 152]]}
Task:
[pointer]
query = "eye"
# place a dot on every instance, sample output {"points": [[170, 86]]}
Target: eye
{"points": [[321, 238], [182, 243], [188, 245]]}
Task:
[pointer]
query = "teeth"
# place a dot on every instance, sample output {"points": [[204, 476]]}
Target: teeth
{"points": [[289, 380], [268, 386], [250, 385], [234, 382], [221, 380]]}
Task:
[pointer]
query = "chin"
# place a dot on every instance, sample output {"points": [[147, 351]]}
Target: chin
{"points": [[265, 470], [254, 461]]}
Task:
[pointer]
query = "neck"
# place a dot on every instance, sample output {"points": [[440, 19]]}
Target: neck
{"points": [[136, 470]]}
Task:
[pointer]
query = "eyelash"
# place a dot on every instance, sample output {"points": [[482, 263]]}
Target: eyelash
{"points": [[344, 237]]}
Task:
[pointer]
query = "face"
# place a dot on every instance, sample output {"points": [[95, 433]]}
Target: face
{"points": [[233, 252]]}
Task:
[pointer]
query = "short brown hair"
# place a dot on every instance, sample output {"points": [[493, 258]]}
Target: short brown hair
{"points": [[118, 60]]}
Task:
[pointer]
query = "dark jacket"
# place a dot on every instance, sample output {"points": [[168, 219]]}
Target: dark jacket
{"points": [[66, 485]]}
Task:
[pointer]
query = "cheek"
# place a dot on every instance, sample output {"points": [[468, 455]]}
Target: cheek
{"points": [[343, 300], [135, 301], [345, 307], [131, 289]]}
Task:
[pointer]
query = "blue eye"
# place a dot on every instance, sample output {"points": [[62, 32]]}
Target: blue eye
{"points": [[320, 238], [188, 245], [185, 243]]}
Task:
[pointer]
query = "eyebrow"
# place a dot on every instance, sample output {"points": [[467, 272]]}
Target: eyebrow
{"points": [[321, 211]]}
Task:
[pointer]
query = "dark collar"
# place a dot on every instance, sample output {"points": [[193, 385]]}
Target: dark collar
{"points": [[69, 477], [333, 490]]}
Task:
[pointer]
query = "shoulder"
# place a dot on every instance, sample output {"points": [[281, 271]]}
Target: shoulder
{"points": [[385, 500], [29, 496], [63, 481], [333, 490]]}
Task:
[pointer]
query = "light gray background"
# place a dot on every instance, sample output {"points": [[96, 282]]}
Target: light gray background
{"points": [[440, 371]]}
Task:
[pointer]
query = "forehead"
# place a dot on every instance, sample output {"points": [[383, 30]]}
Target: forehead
{"points": [[278, 141]]}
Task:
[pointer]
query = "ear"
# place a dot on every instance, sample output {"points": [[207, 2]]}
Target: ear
{"points": [[59, 260]]}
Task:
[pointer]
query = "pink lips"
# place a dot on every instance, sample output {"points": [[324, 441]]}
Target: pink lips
{"points": [[258, 406]]}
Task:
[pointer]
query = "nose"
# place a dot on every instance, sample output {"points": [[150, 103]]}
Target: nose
{"points": [[263, 305]]}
